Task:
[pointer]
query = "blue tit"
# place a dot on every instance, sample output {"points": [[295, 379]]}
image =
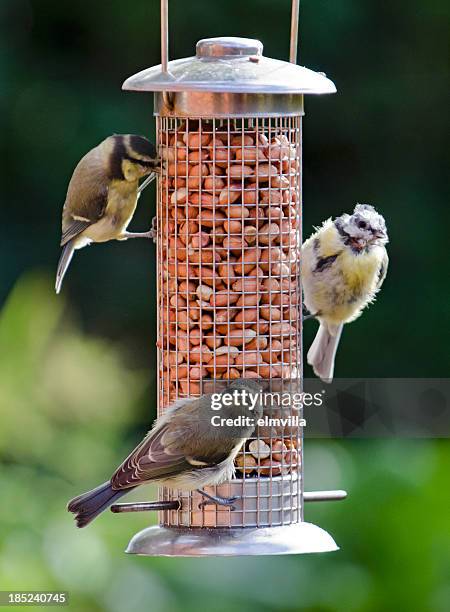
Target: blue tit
{"points": [[183, 450], [344, 264], [103, 194]]}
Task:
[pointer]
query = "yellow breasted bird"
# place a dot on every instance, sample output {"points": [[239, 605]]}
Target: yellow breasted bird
{"points": [[344, 264], [103, 194]]}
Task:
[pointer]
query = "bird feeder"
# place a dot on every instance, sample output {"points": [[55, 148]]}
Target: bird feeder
{"points": [[229, 215]]}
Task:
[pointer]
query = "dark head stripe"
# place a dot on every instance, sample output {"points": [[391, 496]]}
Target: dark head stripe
{"points": [[340, 229], [141, 162], [141, 146], [124, 147], [118, 153]]}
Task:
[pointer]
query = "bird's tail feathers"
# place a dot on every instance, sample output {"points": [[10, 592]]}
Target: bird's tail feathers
{"points": [[89, 505], [323, 351], [63, 264]]}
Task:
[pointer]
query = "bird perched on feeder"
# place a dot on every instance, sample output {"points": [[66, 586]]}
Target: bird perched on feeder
{"points": [[344, 264], [103, 193], [185, 449]]}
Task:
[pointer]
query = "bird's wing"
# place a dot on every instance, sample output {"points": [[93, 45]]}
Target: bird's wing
{"points": [[72, 229], [150, 460], [82, 213], [169, 449], [382, 270], [87, 197]]}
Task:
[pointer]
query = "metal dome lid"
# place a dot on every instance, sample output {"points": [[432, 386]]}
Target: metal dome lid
{"points": [[231, 65]]}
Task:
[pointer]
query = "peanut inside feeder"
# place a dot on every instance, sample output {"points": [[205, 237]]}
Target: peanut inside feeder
{"points": [[229, 247]]}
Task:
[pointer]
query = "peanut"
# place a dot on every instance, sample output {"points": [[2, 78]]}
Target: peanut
{"points": [[230, 194], [200, 354], [265, 172], [195, 140], [239, 171], [241, 140], [237, 212], [247, 261], [245, 463], [259, 449], [259, 342], [247, 358], [250, 155], [223, 298], [249, 284], [232, 227], [179, 196], [250, 234], [213, 184], [204, 292], [268, 233], [196, 174], [200, 240], [238, 337], [279, 450], [248, 299], [198, 155]]}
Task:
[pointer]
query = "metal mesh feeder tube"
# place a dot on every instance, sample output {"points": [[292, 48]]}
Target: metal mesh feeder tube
{"points": [[229, 296]]}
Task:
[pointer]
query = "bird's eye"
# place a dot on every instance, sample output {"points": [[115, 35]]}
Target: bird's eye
{"points": [[362, 224]]}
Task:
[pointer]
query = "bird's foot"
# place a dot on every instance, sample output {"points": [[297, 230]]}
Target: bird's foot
{"points": [[154, 229], [308, 315], [152, 233], [217, 500]]}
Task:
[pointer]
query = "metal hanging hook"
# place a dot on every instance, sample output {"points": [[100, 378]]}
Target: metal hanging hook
{"points": [[168, 97], [164, 35], [295, 11], [294, 31]]}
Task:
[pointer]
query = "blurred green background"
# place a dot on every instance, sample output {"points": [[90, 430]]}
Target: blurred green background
{"points": [[77, 373]]}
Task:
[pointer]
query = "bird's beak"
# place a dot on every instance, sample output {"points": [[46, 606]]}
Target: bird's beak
{"points": [[357, 244]]}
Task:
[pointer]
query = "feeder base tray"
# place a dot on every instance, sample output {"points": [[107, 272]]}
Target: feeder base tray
{"points": [[203, 542]]}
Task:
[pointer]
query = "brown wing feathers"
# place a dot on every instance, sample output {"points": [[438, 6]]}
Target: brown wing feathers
{"points": [[87, 195], [164, 453], [151, 460]]}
